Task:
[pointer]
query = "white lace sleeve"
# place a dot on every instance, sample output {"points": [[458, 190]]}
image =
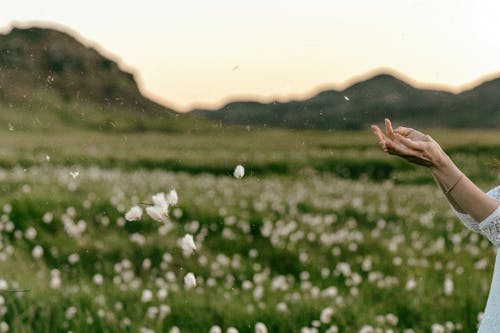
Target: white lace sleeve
{"points": [[474, 225], [490, 226], [467, 220]]}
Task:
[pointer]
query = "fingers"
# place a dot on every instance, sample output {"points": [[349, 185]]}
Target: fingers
{"points": [[417, 145], [380, 136], [404, 131], [395, 148], [388, 128], [389, 146]]}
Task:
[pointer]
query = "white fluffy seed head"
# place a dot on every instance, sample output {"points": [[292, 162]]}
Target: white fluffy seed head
{"points": [[215, 329], [260, 328], [37, 252], [172, 197], [156, 213], [187, 244], [189, 280], [160, 200], [239, 171], [146, 296], [134, 214]]}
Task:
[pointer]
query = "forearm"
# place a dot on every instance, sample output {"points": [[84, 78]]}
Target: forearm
{"points": [[464, 195], [450, 199]]}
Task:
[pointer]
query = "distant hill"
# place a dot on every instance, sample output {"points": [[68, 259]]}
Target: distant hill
{"points": [[49, 78], [370, 101]]}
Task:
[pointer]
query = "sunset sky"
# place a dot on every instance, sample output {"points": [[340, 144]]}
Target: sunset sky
{"points": [[204, 53]]}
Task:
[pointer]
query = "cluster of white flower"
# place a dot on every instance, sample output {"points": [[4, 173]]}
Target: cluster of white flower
{"points": [[158, 211]]}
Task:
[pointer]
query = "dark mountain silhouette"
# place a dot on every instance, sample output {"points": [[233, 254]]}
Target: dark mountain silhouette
{"points": [[50, 71], [50, 80], [37, 61], [367, 102]]}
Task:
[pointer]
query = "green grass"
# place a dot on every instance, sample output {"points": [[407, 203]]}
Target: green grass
{"points": [[309, 201]]}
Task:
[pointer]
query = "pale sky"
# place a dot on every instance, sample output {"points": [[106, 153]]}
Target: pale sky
{"points": [[196, 53]]}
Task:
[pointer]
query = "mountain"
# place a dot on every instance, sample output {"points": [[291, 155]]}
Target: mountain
{"points": [[369, 101], [48, 79]]}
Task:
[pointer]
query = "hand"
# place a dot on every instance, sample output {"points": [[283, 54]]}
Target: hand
{"points": [[410, 144]]}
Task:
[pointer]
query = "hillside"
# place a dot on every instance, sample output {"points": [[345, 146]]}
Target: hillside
{"points": [[370, 101], [48, 79]]}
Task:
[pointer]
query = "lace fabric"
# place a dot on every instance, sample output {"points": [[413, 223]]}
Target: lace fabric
{"points": [[490, 226]]}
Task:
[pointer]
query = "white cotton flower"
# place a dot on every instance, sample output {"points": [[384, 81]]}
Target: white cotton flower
{"points": [[70, 312], [73, 258], [30, 233], [326, 315], [74, 174], [187, 244], [156, 213], [134, 214], [260, 328], [37, 252], [239, 172], [189, 281], [4, 327], [98, 279], [162, 294], [448, 286], [160, 201], [172, 197], [231, 330], [55, 282], [346, 98], [215, 329], [411, 284], [146, 296], [437, 328], [391, 319]]}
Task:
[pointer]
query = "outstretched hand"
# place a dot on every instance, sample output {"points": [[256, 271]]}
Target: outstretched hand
{"points": [[410, 144]]}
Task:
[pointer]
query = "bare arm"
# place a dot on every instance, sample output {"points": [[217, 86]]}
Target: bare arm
{"points": [[464, 195], [421, 149], [449, 197]]}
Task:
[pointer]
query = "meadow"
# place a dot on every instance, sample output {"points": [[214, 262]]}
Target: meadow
{"points": [[324, 233]]}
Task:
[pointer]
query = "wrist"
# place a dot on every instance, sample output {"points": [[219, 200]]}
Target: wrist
{"points": [[446, 173]]}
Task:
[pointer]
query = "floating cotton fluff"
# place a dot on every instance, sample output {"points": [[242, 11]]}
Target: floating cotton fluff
{"points": [[155, 213], [239, 171], [172, 197], [134, 214], [189, 281], [187, 244], [160, 201], [159, 211]]}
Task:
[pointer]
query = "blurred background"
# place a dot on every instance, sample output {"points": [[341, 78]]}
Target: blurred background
{"points": [[104, 104]]}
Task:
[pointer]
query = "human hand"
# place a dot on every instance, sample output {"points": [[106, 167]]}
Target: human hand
{"points": [[412, 145]]}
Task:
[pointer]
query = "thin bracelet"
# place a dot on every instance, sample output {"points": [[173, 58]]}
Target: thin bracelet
{"points": [[456, 182]]}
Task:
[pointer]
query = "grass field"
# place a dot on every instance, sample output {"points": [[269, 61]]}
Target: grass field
{"points": [[323, 234]]}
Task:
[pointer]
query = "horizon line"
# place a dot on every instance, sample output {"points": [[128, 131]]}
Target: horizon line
{"points": [[456, 90]]}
